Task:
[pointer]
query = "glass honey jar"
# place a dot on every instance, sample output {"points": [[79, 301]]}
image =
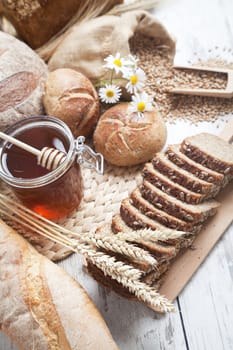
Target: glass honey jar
{"points": [[52, 194]]}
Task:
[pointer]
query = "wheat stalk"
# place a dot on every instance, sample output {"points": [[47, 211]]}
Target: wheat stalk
{"points": [[106, 263], [128, 276], [147, 234], [119, 246], [150, 296], [61, 235]]}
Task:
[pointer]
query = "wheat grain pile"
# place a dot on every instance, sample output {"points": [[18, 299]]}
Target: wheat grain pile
{"points": [[157, 63]]}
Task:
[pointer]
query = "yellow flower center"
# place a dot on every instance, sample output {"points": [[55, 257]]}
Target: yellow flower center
{"points": [[117, 62], [141, 106], [110, 93], [134, 79]]}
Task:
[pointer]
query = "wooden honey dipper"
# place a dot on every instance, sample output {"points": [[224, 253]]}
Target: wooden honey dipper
{"points": [[49, 158]]}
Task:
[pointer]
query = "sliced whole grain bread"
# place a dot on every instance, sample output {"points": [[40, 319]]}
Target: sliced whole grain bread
{"points": [[183, 177], [159, 215], [170, 187], [180, 159], [187, 212], [210, 151]]}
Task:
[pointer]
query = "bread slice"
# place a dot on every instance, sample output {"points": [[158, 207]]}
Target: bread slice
{"points": [[180, 159], [187, 212], [210, 151], [162, 252], [170, 187], [183, 177], [159, 215]]}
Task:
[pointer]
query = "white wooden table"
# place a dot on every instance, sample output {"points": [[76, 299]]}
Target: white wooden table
{"points": [[204, 317]]}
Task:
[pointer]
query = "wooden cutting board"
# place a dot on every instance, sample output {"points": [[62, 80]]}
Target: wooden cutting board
{"points": [[185, 265]]}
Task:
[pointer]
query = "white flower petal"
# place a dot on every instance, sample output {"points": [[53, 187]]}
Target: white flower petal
{"points": [[110, 93]]}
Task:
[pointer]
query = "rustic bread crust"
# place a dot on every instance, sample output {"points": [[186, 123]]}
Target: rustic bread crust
{"points": [[42, 307], [22, 79]]}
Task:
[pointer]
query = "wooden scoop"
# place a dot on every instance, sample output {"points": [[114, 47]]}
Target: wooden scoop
{"points": [[225, 93], [49, 158]]}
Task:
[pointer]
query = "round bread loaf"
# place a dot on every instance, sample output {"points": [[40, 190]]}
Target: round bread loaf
{"points": [[22, 78], [71, 97], [126, 139]]}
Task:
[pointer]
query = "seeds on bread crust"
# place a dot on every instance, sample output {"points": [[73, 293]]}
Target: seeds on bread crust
{"points": [[168, 186], [161, 216], [180, 159], [183, 177], [187, 212]]}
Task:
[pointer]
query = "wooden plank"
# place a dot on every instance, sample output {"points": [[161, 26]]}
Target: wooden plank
{"points": [[207, 303]]}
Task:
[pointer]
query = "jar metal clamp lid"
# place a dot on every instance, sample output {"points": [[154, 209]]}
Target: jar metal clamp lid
{"points": [[87, 157]]}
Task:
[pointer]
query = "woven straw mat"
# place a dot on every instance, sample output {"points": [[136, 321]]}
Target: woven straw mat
{"points": [[102, 198]]}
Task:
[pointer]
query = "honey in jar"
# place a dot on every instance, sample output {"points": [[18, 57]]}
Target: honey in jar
{"points": [[52, 194]]}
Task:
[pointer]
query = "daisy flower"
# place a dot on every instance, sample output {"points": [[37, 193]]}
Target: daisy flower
{"points": [[141, 103], [136, 79], [116, 62], [110, 93]]}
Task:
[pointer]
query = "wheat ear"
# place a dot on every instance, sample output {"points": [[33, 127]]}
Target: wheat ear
{"points": [[149, 235], [119, 246], [124, 274], [150, 296], [43, 226]]}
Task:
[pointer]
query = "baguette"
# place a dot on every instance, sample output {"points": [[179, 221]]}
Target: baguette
{"points": [[42, 307]]}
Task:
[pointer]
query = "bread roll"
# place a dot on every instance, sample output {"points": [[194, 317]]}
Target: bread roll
{"points": [[71, 97], [42, 307], [22, 79], [125, 139], [36, 21]]}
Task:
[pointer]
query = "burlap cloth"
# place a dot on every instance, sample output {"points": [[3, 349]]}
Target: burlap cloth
{"points": [[88, 43]]}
